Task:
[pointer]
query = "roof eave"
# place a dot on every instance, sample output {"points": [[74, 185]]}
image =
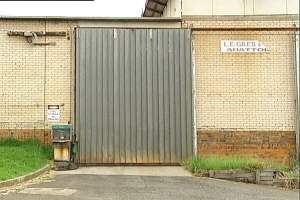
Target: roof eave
{"points": [[104, 19], [153, 10]]}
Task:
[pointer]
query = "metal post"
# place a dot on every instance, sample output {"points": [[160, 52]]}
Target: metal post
{"points": [[194, 96], [296, 50]]}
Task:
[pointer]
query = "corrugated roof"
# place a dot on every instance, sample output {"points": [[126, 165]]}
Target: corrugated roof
{"points": [[154, 8]]}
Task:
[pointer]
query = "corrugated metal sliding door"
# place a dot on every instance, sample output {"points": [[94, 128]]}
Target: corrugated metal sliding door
{"points": [[134, 95]]}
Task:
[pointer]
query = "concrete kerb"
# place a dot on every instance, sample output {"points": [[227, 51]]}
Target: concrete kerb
{"points": [[259, 176], [24, 178]]}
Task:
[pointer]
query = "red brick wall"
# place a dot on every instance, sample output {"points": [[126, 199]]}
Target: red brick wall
{"points": [[43, 135], [276, 145]]}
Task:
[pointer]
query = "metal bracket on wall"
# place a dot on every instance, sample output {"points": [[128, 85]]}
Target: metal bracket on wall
{"points": [[32, 37]]}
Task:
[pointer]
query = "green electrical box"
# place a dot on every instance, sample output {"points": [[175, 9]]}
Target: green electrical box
{"points": [[65, 148], [62, 133]]}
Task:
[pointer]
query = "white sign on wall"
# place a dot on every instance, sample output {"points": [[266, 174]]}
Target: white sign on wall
{"points": [[53, 113], [242, 46]]}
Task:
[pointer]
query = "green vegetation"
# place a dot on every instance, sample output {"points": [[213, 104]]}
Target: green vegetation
{"points": [[202, 164], [293, 175], [18, 158]]}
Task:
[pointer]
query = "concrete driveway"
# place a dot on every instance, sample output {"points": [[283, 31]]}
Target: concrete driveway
{"points": [[152, 183]]}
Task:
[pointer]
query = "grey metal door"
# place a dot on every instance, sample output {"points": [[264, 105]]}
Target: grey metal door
{"points": [[134, 95]]}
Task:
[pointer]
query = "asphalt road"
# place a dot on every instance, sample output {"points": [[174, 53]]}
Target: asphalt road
{"points": [[123, 187]]}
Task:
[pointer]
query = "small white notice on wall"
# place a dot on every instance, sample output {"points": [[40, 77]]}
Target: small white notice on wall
{"points": [[53, 113], [242, 46]]}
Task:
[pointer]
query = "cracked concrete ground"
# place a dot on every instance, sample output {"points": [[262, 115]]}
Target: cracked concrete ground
{"points": [[91, 184]]}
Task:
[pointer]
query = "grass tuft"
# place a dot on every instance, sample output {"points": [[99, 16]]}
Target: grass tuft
{"points": [[201, 164], [21, 157]]}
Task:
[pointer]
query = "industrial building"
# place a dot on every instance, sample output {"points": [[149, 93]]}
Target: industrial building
{"points": [[246, 102], [189, 77]]}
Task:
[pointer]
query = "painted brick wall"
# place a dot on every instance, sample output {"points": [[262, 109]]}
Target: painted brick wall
{"points": [[244, 101], [245, 91], [275, 145], [236, 93], [278, 21], [33, 76]]}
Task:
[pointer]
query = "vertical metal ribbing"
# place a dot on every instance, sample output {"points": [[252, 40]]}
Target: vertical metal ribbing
{"points": [[88, 113], [149, 86], [160, 76], [155, 96], [77, 89], [116, 101], [94, 104], [122, 84], [172, 114], [111, 101], [166, 97], [177, 96], [144, 132], [139, 95], [127, 93], [189, 94], [99, 93], [82, 73], [183, 93], [134, 95], [132, 152], [104, 96]]}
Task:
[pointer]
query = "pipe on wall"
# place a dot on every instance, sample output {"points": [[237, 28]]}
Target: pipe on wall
{"points": [[296, 60]]}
